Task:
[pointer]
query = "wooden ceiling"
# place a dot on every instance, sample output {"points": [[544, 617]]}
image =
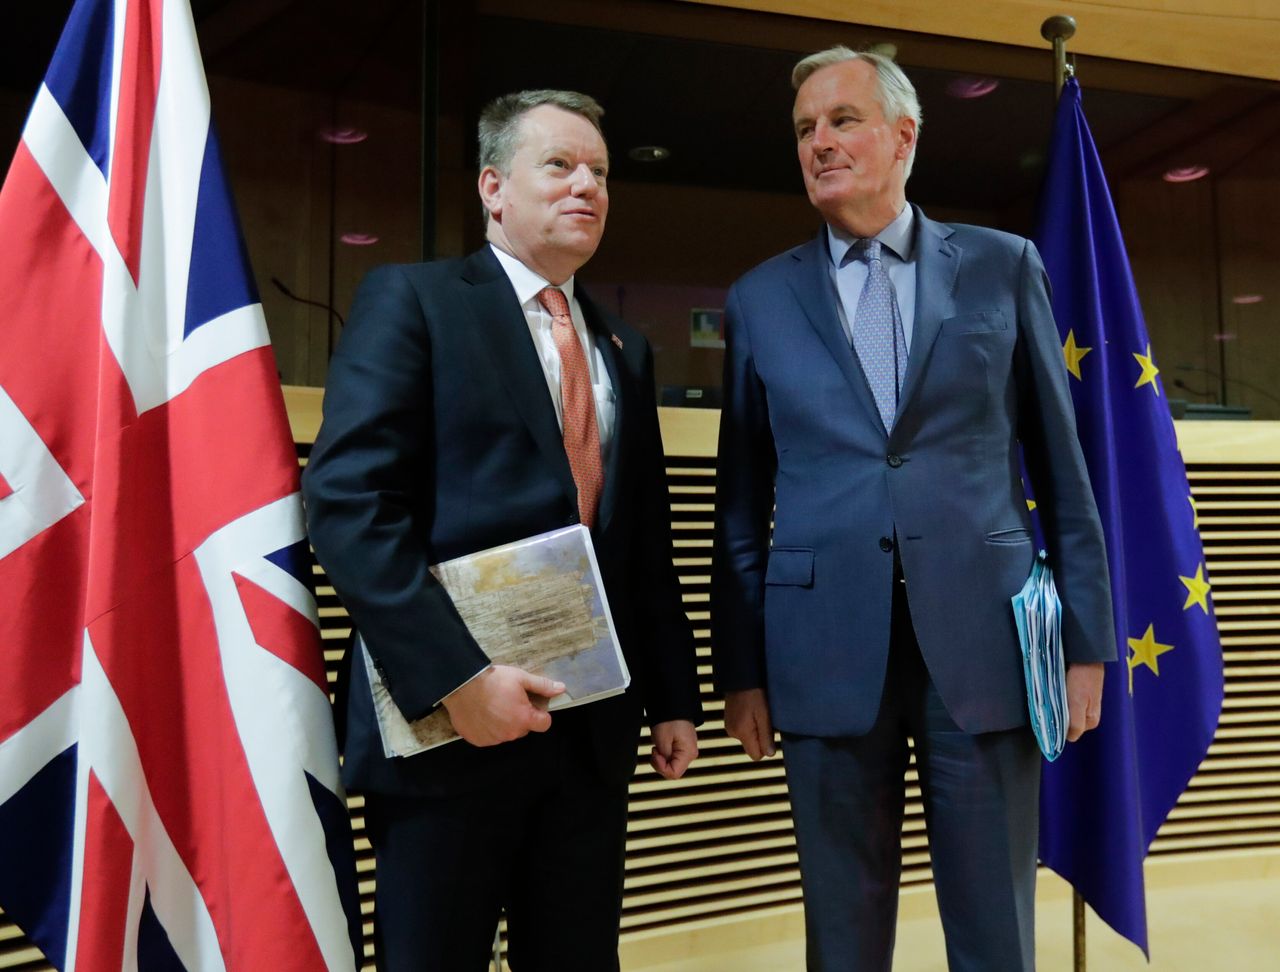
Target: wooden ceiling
{"points": [[710, 84]]}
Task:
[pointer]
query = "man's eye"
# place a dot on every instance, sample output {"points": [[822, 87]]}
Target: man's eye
{"points": [[803, 133], [559, 163]]}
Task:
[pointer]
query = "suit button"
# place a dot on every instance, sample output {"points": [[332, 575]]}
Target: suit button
{"points": [[894, 460], [886, 544]]}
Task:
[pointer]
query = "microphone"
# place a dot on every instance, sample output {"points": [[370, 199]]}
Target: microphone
{"points": [[279, 285], [1226, 380], [1179, 383]]}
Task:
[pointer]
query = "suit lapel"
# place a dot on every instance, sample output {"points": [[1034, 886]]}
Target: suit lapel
{"points": [[816, 293], [505, 333], [937, 268], [610, 350]]}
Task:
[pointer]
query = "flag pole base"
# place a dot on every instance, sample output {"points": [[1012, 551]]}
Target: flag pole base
{"points": [[1077, 930]]}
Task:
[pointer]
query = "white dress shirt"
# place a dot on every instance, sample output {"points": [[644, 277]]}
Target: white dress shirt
{"points": [[527, 285], [850, 274]]}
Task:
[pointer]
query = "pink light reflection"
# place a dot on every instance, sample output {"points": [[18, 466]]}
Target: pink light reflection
{"points": [[971, 87], [1186, 173], [1247, 299], [358, 239], [1224, 337], [343, 135]]}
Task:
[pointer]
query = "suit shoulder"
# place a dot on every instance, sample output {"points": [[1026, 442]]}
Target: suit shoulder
{"points": [[971, 236], [415, 274], [771, 270]]}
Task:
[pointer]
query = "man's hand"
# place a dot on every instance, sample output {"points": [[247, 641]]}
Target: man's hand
{"points": [[746, 719], [1084, 698], [675, 746], [501, 704]]}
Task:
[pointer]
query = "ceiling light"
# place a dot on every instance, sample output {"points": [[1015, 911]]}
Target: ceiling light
{"points": [[969, 87], [1247, 299], [1186, 173], [358, 239], [649, 153]]}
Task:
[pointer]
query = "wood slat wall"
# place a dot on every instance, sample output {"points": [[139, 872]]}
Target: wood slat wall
{"points": [[718, 844]]}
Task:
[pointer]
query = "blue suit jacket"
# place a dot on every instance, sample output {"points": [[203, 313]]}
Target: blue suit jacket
{"points": [[439, 439], [807, 615]]}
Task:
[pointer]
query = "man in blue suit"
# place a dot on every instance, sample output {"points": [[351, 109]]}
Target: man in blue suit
{"points": [[472, 403], [879, 381]]}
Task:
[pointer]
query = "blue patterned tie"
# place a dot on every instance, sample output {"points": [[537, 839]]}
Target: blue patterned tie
{"points": [[878, 337]]}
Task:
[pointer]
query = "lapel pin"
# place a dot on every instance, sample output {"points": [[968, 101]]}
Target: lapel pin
{"points": [[616, 340]]}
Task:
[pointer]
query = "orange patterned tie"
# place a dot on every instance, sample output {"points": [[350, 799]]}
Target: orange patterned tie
{"points": [[578, 401]]}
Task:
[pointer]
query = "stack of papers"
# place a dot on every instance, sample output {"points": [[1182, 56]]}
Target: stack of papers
{"points": [[1038, 615], [537, 604]]}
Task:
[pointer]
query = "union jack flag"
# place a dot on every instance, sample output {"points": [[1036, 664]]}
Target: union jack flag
{"points": [[169, 792]]}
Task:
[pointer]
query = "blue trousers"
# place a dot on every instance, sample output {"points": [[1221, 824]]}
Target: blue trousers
{"points": [[981, 805]]}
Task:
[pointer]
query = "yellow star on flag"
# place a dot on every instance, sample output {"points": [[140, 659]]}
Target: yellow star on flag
{"points": [[1031, 504], [1146, 650], [1195, 513], [1073, 353], [1149, 371], [1197, 589]]}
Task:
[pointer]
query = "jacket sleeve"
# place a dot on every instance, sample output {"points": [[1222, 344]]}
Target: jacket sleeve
{"points": [[745, 472], [370, 464], [670, 676], [1059, 479]]}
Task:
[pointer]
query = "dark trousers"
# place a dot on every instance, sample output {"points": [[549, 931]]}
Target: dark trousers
{"points": [[981, 805], [548, 851]]}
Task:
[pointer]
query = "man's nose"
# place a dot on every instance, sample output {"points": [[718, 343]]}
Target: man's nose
{"points": [[584, 181], [822, 141]]}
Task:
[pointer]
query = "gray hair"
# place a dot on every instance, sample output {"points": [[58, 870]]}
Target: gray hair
{"points": [[500, 121], [894, 90]]}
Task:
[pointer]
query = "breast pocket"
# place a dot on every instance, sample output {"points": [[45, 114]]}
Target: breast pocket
{"points": [[978, 322], [1015, 535]]}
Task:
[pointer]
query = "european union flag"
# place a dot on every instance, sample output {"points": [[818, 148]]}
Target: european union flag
{"points": [[1104, 799]]}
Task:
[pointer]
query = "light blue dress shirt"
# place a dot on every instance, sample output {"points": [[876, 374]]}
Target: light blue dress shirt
{"points": [[850, 274]]}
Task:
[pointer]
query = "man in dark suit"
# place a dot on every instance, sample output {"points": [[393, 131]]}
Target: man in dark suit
{"points": [[472, 403], [879, 382]]}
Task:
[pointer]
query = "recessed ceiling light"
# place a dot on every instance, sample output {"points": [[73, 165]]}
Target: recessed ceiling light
{"points": [[343, 135], [1247, 299], [649, 153], [1186, 173], [358, 239], [969, 87]]}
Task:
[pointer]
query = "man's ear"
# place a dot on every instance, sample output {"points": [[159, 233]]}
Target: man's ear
{"points": [[490, 186], [906, 131]]}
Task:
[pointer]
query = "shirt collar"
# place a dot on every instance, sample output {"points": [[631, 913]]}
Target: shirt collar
{"points": [[527, 284], [896, 237]]}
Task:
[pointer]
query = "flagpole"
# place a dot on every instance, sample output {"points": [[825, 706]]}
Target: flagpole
{"points": [[1058, 30]]}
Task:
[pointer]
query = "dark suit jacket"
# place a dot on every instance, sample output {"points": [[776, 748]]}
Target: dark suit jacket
{"points": [[439, 439], [809, 616]]}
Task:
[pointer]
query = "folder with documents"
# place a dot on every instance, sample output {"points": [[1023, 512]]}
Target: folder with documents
{"points": [[1037, 612], [537, 604]]}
